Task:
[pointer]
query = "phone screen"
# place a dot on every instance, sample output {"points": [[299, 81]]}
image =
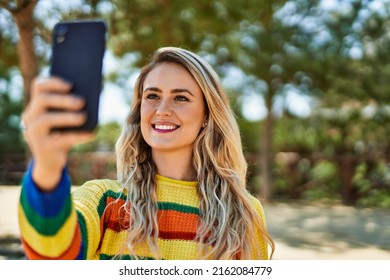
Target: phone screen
{"points": [[78, 49]]}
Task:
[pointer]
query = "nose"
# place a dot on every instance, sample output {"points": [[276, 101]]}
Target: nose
{"points": [[164, 109]]}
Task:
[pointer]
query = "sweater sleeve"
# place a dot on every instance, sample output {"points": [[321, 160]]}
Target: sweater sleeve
{"points": [[260, 238], [48, 222]]}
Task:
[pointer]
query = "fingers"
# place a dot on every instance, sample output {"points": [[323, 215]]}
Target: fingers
{"points": [[39, 119], [57, 101], [53, 93], [49, 94], [43, 124], [52, 84]]}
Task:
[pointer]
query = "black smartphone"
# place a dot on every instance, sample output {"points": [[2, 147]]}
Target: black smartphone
{"points": [[78, 49]]}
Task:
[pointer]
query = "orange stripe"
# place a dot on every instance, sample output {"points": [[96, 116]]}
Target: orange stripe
{"points": [[69, 254], [171, 222], [174, 221], [115, 216]]}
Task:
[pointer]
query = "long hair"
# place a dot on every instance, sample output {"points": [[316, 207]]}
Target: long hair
{"points": [[228, 222]]}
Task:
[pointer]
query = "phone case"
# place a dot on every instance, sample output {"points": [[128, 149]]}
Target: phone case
{"points": [[77, 56]]}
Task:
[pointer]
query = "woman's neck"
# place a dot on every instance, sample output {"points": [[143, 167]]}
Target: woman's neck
{"points": [[174, 165]]}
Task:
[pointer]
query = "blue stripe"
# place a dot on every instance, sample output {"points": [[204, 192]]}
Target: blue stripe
{"points": [[81, 255], [46, 204]]}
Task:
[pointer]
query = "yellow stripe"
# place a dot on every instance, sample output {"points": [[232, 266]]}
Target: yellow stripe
{"points": [[177, 249], [186, 195], [92, 191], [113, 242], [177, 183], [170, 249], [50, 246]]}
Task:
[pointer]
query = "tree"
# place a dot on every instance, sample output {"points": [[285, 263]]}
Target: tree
{"points": [[22, 12], [10, 109], [142, 26], [265, 48], [351, 54]]}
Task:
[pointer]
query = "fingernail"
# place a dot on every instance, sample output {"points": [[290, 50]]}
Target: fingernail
{"points": [[79, 100]]}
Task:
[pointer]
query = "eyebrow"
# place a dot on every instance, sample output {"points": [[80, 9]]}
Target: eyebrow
{"points": [[176, 90]]}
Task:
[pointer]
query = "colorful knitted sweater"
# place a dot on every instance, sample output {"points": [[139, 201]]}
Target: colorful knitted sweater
{"points": [[84, 224]]}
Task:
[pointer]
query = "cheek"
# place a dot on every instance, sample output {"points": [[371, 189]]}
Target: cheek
{"points": [[145, 116], [195, 117], [145, 111]]}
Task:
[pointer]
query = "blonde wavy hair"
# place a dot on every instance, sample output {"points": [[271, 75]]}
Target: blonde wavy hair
{"points": [[228, 221]]}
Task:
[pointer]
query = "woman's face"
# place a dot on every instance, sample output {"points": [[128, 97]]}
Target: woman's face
{"points": [[172, 109]]}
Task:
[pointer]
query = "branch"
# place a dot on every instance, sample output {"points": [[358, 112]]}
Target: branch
{"points": [[7, 6], [18, 7]]}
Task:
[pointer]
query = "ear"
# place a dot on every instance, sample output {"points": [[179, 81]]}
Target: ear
{"points": [[205, 122]]}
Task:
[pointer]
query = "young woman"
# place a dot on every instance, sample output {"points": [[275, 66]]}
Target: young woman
{"points": [[180, 191]]}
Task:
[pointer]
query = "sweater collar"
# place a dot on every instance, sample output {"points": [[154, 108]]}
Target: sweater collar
{"points": [[160, 178]]}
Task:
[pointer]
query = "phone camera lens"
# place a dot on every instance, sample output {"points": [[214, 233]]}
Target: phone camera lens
{"points": [[61, 31]]}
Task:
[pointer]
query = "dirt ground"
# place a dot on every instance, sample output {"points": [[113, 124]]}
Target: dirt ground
{"points": [[300, 231], [327, 232]]}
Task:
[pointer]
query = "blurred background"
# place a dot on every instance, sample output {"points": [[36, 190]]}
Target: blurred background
{"points": [[307, 79]]}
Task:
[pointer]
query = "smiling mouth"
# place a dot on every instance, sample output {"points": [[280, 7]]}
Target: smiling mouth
{"points": [[164, 127]]}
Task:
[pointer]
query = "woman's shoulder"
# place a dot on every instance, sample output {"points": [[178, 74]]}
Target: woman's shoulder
{"points": [[104, 183], [256, 203], [100, 187]]}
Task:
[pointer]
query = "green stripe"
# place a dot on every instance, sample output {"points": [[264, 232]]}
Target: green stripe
{"points": [[84, 233], [103, 200], [178, 207], [123, 257], [46, 226]]}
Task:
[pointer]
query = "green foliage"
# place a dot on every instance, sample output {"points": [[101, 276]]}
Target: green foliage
{"points": [[143, 26], [372, 181], [106, 137], [10, 110], [325, 182], [376, 198], [11, 140], [312, 152], [250, 132], [8, 55]]}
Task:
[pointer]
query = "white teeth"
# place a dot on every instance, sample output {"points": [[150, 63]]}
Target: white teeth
{"points": [[165, 127]]}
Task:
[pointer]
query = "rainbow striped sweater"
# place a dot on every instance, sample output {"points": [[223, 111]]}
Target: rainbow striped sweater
{"points": [[82, 223]]}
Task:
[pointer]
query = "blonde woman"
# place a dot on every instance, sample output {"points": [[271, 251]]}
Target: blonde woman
{"points": [[180, 192]]}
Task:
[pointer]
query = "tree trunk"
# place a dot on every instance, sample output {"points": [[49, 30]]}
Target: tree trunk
{"points": [[28, 64], [266, 154], [23, 14], [347, 170]]}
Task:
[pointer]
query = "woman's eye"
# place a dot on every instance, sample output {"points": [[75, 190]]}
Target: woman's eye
{"points": [[152, 96], [181, 98]]}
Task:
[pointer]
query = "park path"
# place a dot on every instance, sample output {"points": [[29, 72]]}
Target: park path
{"points": [[328, 232], [300, 231]]}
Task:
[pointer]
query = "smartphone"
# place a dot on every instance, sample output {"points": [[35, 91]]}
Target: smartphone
{"points": [[78, 49]]}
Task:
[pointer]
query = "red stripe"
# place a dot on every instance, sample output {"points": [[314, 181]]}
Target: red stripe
{"points": [[177, 235]]}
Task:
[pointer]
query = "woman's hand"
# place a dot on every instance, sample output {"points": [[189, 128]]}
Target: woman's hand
{"points": [[50, 149]]}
